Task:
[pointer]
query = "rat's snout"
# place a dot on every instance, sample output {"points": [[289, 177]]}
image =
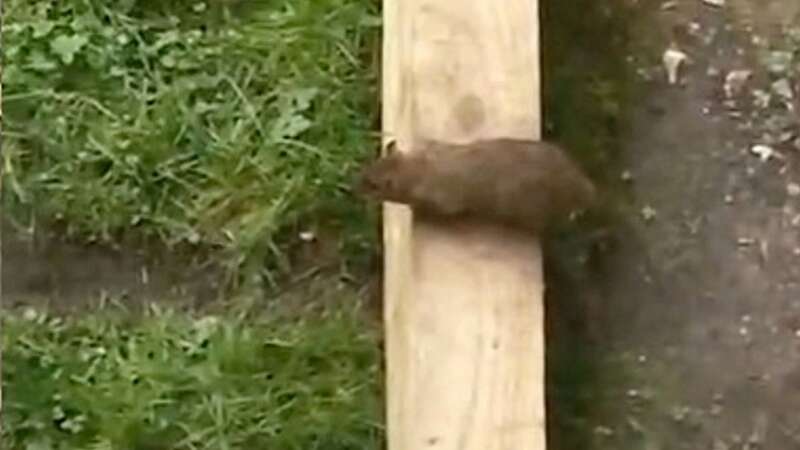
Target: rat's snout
{"points": [[364, 185]]}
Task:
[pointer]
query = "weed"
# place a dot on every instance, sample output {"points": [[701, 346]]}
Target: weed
{"points": [[227, 125], [166, 380]]}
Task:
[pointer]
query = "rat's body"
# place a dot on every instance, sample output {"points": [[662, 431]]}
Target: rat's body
{"points": [[521, 183]]}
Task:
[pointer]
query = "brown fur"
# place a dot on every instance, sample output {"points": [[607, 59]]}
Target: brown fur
{"points": [[521, 183]]}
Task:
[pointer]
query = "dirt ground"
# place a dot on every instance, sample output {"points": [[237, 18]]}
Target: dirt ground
{"points": [[693, 327], [66, 277], [692, 330]]}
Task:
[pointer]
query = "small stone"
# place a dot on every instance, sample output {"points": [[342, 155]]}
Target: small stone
{"points": [[729, 199], [793, 189], [717, 3]]}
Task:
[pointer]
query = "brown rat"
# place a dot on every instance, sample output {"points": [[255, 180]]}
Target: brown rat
{"points": [[521, 183]]}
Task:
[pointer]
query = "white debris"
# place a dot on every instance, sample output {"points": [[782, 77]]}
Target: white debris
{"points": [[764, 152], [718, 3], [307, 236], [745, 241], [735, 81], [672, 59], [793, 189]]}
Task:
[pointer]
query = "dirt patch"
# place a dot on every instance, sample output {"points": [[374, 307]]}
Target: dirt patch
{"points": [[691, 334], [68, 277]]}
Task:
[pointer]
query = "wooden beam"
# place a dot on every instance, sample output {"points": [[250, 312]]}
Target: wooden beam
{"points": [[463, 304]]}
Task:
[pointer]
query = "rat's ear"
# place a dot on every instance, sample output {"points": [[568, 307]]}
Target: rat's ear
{"points": [[391, 148]]}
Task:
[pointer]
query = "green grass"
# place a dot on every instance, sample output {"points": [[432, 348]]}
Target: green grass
{"points": [[230, 126], [168, 381]]}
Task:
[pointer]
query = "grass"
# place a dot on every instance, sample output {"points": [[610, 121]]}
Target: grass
{"points": [[230, 126], [168, 381], [222, 127]]}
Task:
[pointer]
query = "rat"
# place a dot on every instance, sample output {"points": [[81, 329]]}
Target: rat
{"points": [[525, 184]]}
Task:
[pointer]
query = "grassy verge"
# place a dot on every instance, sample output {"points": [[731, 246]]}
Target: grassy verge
{"points": [[168, 381], [231, 126]]}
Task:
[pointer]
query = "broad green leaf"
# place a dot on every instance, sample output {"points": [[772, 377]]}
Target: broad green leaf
{"points": [[67, 46]]}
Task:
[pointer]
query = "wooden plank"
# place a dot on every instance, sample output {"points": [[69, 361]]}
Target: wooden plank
{"points": [[463, 304]]}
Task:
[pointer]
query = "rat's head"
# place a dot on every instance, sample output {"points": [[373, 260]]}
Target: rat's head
{"points": [[381, 179]]}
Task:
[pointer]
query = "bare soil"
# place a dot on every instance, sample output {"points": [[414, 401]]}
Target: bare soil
{"points": [[66, 277], [691, 338]]}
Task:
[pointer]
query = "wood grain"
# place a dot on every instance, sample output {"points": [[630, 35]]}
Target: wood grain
{"points": [[463, 303]]}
